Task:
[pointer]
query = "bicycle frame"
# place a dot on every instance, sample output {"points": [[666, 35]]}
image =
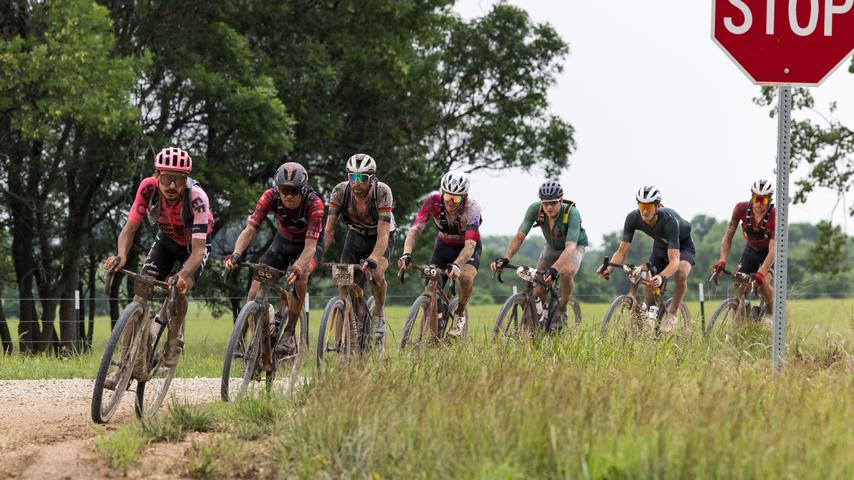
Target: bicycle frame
{"points": [[533, 276], [433, 275], [353, 296], [744, 287], [636, 274]]}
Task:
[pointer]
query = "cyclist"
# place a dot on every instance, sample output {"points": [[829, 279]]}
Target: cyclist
{"points": [[672, 249], [757, 218], [179, 207], [298, 240], [458, 246], [566, 241], [365, 204]]}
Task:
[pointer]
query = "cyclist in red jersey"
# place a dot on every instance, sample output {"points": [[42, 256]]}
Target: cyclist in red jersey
{"points": [[180, 209], [458, 246], [298, 241], [757, 218]]}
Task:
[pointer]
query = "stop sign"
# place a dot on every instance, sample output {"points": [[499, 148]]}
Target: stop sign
{"points": [[785, 42]]}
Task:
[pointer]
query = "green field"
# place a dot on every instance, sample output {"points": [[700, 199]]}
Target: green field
{"points": [[810, 322]]}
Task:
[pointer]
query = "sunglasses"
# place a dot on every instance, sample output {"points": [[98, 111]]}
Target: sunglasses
{"points": [[761, 199], [549, 203], [290, 192], [450, 197], [167, 178], [359, 177], [646, 207]]}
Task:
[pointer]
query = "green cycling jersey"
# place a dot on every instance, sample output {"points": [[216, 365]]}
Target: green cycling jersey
{"points": [[566, 227]]}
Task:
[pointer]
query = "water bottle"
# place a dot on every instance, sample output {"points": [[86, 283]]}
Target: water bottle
{"points": [[653, 312]]}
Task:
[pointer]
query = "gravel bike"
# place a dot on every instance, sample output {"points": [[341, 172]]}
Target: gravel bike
{"points": [[433, 309], [136, 348], [734, 310], [520, 310]]}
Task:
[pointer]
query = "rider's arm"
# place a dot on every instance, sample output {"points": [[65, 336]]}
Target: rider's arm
{"points": [[383, 228], [244, 239], [573, 232], [418, 225], [769, 259], [303, 263], [726, 242], [197, 256], [673, 263], [329, 231], [622, 252], [466, 253], [515, 244], [126, 237]]}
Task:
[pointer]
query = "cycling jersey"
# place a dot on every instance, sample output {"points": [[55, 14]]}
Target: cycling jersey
{"points": [[757, 232], [170, 219], [566, 228], [380, 206], [305, 221], [453, 230], [670, 231]]}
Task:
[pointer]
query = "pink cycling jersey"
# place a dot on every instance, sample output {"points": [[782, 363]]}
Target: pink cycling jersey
{"points": [[453, 230], [170, 221]]}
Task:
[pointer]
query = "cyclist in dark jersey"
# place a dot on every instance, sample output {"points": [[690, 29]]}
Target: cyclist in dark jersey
{"points": [[180, 209], [458, 246], [368, 213], [299, 239], [566, 241], [672, 248], [757, 218]]}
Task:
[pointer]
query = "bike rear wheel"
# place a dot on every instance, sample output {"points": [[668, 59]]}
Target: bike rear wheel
{"points": [[574, 311], [619, 316], [512, 317], [151, 393], [117, 362], [244, 349]]}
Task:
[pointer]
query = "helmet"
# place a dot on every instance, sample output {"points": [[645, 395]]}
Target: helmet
{"points": [[648, 194], [762, 188], [456, 183], [173, 158], [361, 163], [291, 174], [551, 190]]}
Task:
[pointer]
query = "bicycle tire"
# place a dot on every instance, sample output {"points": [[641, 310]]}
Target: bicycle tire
{"points": [[102, 413], [237, 346], [160, 385], [685, 315], [623, 304], [514, 306], [421, 303], [332, 324], [726, 306], [576, 310]]}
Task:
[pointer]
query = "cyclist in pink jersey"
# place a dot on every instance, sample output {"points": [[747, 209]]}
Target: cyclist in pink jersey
{"points": [[458, 246], [180, 209]]}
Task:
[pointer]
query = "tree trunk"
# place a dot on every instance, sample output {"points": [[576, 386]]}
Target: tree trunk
{"points": [[93, 268], [4, 331]]}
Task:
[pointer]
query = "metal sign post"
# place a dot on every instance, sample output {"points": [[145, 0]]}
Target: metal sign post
{"points": [[781, 231]]}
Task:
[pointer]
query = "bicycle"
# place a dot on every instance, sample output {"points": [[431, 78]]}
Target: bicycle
{"points": [[738, 307], [347, 323], [250, 352], [630, 310], [434, 305], [523, 305], [135, 351]]}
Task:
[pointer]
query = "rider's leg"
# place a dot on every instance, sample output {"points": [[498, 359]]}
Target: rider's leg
{"points": [[680, 285], [175, 340], [567, 276], [379, 288], [466, 286]]}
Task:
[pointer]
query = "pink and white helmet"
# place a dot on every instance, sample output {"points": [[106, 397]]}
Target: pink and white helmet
{"points": [[173, 158]]}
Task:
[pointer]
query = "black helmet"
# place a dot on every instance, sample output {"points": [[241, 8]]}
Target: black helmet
{"points": [[551, 190], [292, 175]]}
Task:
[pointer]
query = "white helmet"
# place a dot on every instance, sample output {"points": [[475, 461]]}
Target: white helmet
{"points": [[456, 183], [648, 194], [361, 163], [762, 188]]}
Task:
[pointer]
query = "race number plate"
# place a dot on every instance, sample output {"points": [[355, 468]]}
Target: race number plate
{"points": [[342, 275]]}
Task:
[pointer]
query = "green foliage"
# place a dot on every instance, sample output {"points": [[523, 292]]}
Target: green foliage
{"points": [[831, 251], [181, 419], [121, 448]]}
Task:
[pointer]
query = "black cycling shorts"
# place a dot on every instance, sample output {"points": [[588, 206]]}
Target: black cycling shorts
{"points": [[443, 254], [282, 253], [658, 258], [359, 247], [165, 253], [751, 260]]}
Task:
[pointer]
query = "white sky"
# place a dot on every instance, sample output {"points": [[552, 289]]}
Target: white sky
{"points": [[653, 100]]}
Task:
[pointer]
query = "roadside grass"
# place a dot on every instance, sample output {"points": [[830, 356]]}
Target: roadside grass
{"points": [[813, 321], [120, 448], [565, 408]]}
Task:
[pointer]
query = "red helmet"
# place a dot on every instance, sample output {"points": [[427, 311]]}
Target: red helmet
{"points": [[173, 158]]}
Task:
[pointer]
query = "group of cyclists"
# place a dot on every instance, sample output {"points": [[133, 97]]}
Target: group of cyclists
{"points": [[180, 209]]}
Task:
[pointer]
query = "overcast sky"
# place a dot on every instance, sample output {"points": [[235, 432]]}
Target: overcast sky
{"points": [[653, 100]]}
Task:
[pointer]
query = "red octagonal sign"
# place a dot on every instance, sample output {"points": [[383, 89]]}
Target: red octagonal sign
{"points": [[785, 42]]}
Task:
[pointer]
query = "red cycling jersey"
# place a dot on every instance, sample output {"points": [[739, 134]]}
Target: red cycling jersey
{"points": [[452, 231], [170, 221], [758, 232], [291, 227]]}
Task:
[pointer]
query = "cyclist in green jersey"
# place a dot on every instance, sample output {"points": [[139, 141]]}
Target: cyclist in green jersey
{"points": [[566, 240], [672, 249]]}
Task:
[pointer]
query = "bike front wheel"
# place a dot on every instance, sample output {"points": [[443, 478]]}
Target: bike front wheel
{"points": [[619, 316], [117, 363], [333, 338], [724, 316], [244, 349], [151, 393], [416, 329], [683, 316], [512, 318]]}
